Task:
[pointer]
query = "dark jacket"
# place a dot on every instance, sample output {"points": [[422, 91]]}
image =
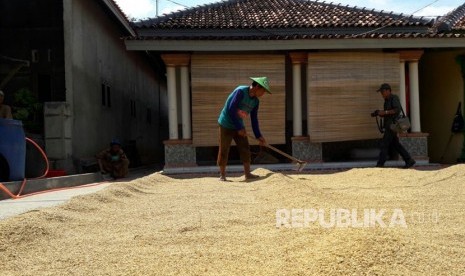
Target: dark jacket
{"points": [[392, 103]]}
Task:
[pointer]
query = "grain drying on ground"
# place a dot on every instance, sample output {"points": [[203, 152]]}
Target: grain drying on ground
{"points": [[162, 225]]}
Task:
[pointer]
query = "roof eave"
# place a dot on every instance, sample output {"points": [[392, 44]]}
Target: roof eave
{"points": [[224, 33], [119, 16], [287, 45]]}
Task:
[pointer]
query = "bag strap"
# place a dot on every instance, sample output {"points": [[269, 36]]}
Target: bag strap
{"points": [[401, 109], [380, 124]]}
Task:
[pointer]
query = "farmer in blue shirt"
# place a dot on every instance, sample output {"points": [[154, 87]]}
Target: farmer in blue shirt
{"points": [[241, 103]]}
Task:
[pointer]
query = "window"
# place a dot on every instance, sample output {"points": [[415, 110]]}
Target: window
{"points": [[149, 116], [104, 98], [35, 55], [106, 95], [133, 108]]}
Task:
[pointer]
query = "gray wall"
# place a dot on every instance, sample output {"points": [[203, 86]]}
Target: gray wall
{"points": [[95, 54]]}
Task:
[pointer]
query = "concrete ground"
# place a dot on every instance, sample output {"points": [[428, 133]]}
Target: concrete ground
{"points": [[48, 192], [75, 185], [12, 207]]}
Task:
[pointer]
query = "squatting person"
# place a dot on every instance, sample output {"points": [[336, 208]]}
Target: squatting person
{"points": [[113, 160]]}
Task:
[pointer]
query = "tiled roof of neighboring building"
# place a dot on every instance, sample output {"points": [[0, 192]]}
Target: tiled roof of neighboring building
{"points": [[281, 20], [453, 21]]}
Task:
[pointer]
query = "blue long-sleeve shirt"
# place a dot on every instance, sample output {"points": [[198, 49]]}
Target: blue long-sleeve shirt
{"points": [[238, 106]]}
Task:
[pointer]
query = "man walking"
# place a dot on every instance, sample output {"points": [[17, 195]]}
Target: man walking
{"points": [[392, 109]]}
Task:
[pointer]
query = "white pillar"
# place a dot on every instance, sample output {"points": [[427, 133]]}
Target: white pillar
{"points": [[414, 96], [185, 103], [172, 102], [402, 92], [297, 59], [297, 99]]}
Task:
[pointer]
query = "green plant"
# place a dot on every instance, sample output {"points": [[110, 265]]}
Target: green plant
{"points": [[29, 110]]}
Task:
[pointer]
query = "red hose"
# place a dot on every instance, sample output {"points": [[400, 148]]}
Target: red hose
{"points": [[44, 155], [23, 184]]}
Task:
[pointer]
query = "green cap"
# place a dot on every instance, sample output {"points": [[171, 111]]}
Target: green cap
{"points": [[263, 81]]}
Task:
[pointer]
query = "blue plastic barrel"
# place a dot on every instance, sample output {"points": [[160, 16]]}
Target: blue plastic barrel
{"points": [[13, 147]]}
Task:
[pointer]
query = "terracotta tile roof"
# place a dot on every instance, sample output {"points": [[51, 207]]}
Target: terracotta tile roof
{"points": [[453, 21], [281, 19]]}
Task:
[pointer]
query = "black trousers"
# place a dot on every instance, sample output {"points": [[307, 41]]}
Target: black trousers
{"points": [[390, 139]]}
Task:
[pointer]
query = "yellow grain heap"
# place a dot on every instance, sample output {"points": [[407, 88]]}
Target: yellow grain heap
{"points": [[160, 225]]}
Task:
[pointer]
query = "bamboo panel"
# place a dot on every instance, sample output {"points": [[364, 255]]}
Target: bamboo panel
{"points": [[214, 77], [342, 93]]}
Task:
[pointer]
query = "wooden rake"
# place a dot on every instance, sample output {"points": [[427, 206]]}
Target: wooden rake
{"points": [[300, 164]]}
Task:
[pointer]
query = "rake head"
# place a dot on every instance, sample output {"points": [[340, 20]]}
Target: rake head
{"points": [[300, 165]]}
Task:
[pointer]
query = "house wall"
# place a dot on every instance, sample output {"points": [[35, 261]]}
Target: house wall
{"points": [[214, 77], [342, 94], [95, 57], [441, 89]]}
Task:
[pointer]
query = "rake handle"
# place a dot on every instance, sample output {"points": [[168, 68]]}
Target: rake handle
{"points": [[284, 154], [281, 152]]}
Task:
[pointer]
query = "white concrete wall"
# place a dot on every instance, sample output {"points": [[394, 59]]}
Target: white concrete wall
{"points": [[94, 53]]}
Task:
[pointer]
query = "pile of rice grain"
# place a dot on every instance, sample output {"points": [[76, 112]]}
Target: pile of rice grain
{"points": [[160, 225]]}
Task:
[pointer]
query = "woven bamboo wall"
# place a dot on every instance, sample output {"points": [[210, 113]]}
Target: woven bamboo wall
{"points": [[214, 77], [342, 93]]}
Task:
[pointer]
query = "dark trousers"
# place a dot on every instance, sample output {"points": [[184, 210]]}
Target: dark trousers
{"points": [[225, 138], [390, 139]]}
